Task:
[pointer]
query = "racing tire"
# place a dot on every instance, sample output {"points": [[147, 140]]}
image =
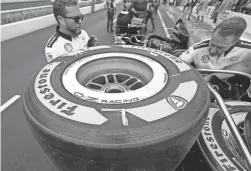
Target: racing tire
{"points": [[150, 127], [216, 141]]}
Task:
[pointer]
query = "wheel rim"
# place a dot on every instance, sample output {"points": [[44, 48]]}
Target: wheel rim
{"points": [[123, 77], [115, 83]]}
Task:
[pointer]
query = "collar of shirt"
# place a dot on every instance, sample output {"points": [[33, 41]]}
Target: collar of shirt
{"points": [[229, 50], [224, 54], [63, 34]]}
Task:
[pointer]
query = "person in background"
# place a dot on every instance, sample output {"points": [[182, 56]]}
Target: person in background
{"points": [[192, 5], [221, 10], [125, 1], [93, 5], [69, 36], [157, 4], [150, 13], [111, 10], [164, 2], [215, 12], [200, 2], [171, 2], [202, 10], [186, 5]]}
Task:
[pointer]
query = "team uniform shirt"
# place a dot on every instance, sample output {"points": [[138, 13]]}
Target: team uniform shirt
{"points": [[199, 55], [60, 44]]}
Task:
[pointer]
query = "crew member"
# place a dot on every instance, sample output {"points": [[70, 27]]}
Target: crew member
{"points": [[224, 50], [69, 35]]}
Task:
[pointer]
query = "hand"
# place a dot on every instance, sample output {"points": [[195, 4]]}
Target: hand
{"points": [[145, 43], [207, 78], [93, 41]]}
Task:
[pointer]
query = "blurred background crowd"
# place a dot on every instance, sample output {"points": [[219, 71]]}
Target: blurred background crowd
{"points": [[242, 6]]}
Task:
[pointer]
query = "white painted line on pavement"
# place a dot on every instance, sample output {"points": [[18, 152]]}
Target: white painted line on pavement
{"points": [[9, 102], [163, 25], [190, 29]]}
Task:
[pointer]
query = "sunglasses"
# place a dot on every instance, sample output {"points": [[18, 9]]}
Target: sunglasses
{"points": [[76, 19]]}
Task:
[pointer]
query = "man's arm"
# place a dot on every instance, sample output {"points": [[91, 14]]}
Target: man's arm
{"points": [[51, 53], [243, 66], [188, 55], [92, 40]]}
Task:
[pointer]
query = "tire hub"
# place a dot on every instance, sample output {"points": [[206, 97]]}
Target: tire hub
{"points": [[114, 89], [114, 83]]}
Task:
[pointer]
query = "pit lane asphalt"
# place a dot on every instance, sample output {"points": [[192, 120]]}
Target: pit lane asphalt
{"points": [[22, 57]]}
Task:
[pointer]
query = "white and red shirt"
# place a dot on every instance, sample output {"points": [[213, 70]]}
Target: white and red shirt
{"points": [[199, 55], [60, 44]]}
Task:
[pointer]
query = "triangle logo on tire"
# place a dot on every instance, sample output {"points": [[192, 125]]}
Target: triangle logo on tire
{"points": [[177, 102]]}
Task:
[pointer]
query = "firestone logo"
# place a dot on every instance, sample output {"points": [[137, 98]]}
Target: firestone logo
{"points": [[177, 102]]}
